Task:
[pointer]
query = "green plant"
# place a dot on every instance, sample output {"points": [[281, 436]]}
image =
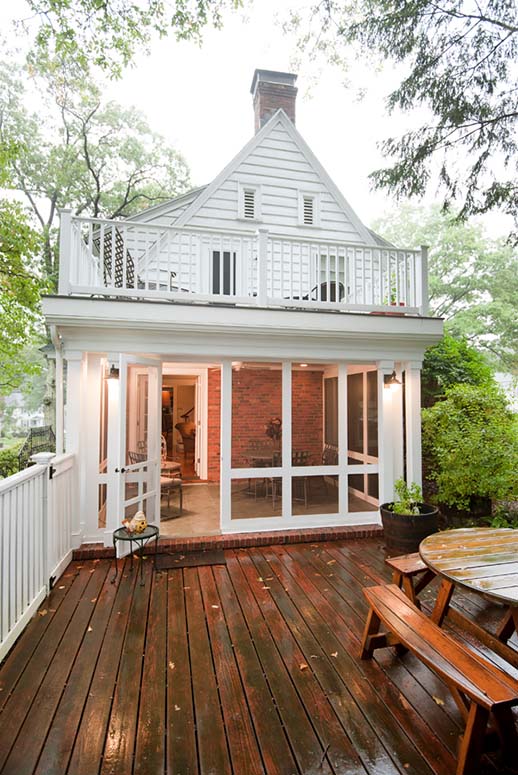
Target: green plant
{"points": [[505, 517], [471, 441], [9, 460], [407, 498]]}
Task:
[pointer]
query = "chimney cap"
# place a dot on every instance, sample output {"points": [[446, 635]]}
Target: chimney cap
{"points": [[272, 76]]}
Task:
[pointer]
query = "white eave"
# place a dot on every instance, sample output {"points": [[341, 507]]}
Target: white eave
{"points": [[227, 330]]}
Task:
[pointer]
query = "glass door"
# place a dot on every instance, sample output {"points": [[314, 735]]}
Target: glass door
{"points": [[140, 421]]}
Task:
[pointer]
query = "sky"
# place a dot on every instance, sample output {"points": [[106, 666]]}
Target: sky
{"points": [[198, 98]]}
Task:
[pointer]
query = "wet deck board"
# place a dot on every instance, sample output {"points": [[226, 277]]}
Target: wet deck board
{"points": [[251, 667]]}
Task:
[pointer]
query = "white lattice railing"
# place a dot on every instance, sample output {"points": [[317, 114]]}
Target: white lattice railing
{"points": [[35, 539], [128, 258]]}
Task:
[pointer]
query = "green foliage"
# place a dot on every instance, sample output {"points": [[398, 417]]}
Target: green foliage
{"points": [[407, 498], [471, 439], [20, 286], [452, 362], [472, 279], [9, 460], [75, 151], [457, 62], [107, 35], [505, 518]]}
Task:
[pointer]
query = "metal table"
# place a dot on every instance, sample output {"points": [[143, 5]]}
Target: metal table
{"points": [[141, 539], [485, 561]]}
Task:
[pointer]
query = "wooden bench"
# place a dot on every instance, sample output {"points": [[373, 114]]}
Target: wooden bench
{"points": [[405, 569], [478, 687]]}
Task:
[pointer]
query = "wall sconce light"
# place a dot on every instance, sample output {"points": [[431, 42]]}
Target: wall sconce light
{"points": [[391, 381], [113, 372]]}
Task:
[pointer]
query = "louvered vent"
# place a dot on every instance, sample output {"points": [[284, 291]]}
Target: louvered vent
{"points": [[308, 210], [249, 204]]}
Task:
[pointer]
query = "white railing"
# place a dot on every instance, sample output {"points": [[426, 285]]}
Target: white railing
{"points": [[128, 258], [35, 539]]}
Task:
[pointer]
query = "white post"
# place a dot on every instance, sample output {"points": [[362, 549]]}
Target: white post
{"points": [[397, 426], [45, 459], [60, 435], [413, 422], [385, 434], [65, 249], [74, 419], [425, 301], [286, 439], [226, 446], [262, 266]]}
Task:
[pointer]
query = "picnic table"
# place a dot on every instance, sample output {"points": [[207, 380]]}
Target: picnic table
{"points": [[485, 561]]}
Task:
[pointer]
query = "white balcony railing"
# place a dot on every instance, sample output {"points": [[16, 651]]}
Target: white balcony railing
{"points": [[127, 258]]}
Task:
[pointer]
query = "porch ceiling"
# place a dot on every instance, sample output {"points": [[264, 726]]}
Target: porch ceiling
{"points": [[224, 330]]}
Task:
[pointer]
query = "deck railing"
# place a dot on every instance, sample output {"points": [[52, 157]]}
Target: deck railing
{"points": [[36, 507], [137, 260]]}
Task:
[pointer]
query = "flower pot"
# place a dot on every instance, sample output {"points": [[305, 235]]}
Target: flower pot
{"points": [[404, 532]]}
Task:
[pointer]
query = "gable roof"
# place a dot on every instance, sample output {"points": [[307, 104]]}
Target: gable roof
{"points": [[281, 118], [169, 205]]}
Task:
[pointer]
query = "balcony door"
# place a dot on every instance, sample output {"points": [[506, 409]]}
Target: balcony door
{"points": [[139, 451]]}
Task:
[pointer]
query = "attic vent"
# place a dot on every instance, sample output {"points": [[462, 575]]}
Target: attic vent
{"points": [[308, 210], [249, 203]]}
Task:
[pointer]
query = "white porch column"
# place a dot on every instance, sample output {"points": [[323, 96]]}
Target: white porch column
{"points": [[388, 445], [226, 447], [92, 406], [75, 423], [413, 421], [113, 451], [397, 426]]}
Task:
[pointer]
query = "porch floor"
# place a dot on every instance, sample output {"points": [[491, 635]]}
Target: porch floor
{"points": [[201, 507], [249, 667]]}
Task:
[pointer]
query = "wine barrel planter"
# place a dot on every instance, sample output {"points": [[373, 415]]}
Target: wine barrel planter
{"points": [[404, 532]]}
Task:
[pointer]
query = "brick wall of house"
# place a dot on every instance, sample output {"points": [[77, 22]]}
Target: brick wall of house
{"points": [[213, 432], [256, 398]]}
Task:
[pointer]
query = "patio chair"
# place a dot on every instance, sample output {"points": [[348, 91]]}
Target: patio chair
{"points": [[168, 484], [314, 295], [298, 458]]}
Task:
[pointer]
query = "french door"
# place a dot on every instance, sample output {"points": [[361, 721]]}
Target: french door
{"points": [[140, 436]]}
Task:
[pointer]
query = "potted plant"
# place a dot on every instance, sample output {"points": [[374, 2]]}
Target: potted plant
{"points": [[407, 520]]}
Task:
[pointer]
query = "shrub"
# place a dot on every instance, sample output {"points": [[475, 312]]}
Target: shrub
{"points": [[471, 440], [9, 460]]}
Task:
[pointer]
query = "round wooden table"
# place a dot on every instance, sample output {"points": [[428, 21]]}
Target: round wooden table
{"points": [[483, 560]]}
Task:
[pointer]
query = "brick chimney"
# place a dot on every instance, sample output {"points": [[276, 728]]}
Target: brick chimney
{"points": [[272, 90]]}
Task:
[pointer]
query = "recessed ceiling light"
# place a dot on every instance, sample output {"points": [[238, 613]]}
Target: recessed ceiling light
{"points": [[303, 365]]}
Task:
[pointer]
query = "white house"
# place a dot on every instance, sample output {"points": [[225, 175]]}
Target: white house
{"points": [[265, 320]]}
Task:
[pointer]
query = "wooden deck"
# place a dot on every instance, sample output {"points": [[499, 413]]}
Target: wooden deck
{"points": [[249, 667]]}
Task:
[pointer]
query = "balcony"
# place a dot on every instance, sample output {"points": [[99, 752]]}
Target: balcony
{"points": [[104, 258]]}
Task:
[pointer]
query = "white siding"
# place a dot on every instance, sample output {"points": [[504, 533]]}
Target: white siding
{"points": [[280, 167]]}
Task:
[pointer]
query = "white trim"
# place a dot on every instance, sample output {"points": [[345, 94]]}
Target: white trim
{"points": [[315, 197], [242, 187], [262, 524], [202, 375], [225, 476]]}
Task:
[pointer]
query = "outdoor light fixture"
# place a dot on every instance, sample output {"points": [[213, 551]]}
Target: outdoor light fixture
{"points": [[113, 373], [390, 380], [303, 365]]}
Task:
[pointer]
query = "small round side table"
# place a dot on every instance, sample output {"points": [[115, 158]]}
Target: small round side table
{"points": [[141, 539]]}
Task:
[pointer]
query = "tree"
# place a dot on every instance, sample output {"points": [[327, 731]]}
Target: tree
{"points": [[452, 362], [473, 279], [458, 66], [107, 34], [21, 283], [471, 439], [73, 150]]}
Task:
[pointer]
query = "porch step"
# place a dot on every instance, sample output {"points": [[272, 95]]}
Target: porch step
{"points": [[243, 540]]}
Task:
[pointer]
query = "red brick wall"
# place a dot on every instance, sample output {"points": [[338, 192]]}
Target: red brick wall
{"points": [[256, 398], [307, 413], [213, 432]]}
